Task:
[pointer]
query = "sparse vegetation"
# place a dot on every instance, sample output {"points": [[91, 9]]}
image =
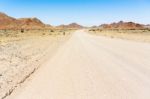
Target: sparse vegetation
{"points": [[52, 30], [21, 50], [22, 30], [131, 34]]}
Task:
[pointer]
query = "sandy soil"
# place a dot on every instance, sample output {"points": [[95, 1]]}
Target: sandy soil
{"points": [[136, 35], [92, 67], [22, 54]]}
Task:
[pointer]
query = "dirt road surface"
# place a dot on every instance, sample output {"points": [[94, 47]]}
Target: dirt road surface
{"points": [[93, 67]]}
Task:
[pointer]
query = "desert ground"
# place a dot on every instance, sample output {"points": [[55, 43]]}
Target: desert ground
{"points": [[135, 35], [85, 66], [23, 52]]}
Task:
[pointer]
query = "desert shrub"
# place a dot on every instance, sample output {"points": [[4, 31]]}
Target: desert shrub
{"points": [[92, 30], [51, 30], [5, 30], [22, 30], [144, 30], [132, 29], [100, 30]]}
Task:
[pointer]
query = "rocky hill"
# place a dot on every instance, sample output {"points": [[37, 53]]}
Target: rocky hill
{"points": [[31, 23], [72, 25], [7, 22], [122, 25], [147, 26]]}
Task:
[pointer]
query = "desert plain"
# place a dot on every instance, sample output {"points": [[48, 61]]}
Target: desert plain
{"points": [[39, 61]]}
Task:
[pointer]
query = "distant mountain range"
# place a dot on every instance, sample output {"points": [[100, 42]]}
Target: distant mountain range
{"points": [[72, 25], [7, 22], [147, 26], [122, 25]]}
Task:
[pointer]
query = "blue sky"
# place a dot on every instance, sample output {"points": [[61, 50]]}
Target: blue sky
{"points": [[85, 12]]}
